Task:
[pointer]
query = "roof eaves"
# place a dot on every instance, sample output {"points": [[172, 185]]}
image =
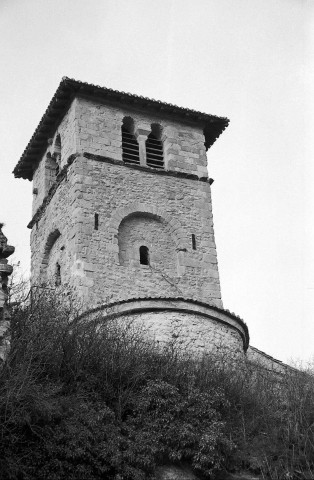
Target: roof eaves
{"points": [[69, 88]]}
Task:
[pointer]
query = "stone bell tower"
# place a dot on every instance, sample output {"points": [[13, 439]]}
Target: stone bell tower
{"points": [[122, 210]]}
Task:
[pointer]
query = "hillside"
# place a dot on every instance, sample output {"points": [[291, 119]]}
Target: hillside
{"points": [[99, 401]]}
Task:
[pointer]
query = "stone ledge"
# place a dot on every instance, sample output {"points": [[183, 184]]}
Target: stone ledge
{"points": [[180, 304], [63, 174], [171, 173]]}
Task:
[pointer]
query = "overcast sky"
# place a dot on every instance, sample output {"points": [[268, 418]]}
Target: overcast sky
{"points": [[249, 60]]}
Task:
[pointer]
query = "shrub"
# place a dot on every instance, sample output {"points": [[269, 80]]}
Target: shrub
{"points": [[88, 400], [93, 400]]}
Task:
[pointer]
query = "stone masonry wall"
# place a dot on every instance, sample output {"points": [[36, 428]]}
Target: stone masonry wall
{"points": [[45, 172], [115, 192], [142, 230], [68, 133], [188, 331], [267, 362], [189, 324], [39, 184], [168, 209], [52, 240], [90, 258], [99, 132]]}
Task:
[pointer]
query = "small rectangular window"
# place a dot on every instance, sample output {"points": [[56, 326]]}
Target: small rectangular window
{"points": [[144, 255], [193, 242], [96, 221]]}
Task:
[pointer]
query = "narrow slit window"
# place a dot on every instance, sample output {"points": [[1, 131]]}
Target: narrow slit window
{"points": [[58, 275], [130, 148], [57, 148], [57, 153], [144, 255], [154, 148], [96, 222], [193, 241]]}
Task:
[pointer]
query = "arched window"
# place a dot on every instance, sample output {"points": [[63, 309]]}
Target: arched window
{"points": [[144, 255], [51, 171], [48, 266], [154, 148], [57, 153], [130, 149], [57, 147]]}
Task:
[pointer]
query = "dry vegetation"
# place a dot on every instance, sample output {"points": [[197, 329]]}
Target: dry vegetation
{"points": [[97, 401]]}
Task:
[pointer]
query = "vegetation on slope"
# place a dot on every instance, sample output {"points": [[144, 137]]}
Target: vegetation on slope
{"points": [[97, 401]]}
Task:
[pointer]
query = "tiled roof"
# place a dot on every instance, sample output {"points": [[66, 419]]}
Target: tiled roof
{"points": [[69, 88]]}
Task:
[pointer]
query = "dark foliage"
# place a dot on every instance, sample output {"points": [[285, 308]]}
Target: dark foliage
{"points": [[95, 400], [91, 400]]}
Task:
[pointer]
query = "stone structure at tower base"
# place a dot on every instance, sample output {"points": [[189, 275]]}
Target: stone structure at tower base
{"points": [[194, 326]]}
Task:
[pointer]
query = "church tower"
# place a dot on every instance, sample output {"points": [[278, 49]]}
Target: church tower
{"points": [[122, 210]]}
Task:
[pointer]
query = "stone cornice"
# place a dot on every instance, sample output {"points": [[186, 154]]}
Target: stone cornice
{"points": [[170, 173]]}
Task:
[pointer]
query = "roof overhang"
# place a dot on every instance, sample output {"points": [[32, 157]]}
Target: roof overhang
{"points": [[68, 89]]}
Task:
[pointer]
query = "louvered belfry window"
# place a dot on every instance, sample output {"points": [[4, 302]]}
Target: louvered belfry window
{"points": [[154, 148], [130, 150]]}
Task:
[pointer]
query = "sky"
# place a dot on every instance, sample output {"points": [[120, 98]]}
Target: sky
{"points": [[249, 60]]}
